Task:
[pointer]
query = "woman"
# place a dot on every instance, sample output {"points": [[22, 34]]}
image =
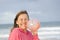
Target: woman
{"points": [[19, 30]]}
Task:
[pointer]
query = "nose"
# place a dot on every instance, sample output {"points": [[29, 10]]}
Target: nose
{"points": [[24, 22]]}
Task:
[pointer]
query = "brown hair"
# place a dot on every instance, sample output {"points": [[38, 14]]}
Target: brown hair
{"points": [[21, 12]]}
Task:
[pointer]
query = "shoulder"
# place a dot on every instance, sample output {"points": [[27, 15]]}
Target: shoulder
{"points": [[15, 30], [14, 34]]}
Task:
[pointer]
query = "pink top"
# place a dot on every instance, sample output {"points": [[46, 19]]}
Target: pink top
{"points": [[19, 34]]}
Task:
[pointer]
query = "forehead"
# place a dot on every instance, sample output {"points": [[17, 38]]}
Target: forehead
{"points": [[23, 16]]}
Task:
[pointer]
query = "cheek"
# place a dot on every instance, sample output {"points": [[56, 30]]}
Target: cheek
{"points": [[19, 22], [27, 22]]}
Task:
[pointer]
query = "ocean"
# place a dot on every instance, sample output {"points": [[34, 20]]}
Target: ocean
{"points": [[47, 31]]}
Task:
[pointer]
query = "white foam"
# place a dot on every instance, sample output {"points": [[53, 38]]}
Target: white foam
{"points": [[4, 35], [44, 32], [50, 28], [49, 32]]}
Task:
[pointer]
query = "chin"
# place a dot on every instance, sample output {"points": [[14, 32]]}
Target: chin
{"points": [[24, 28]]}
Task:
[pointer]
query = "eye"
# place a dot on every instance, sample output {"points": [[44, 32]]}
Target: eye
{"points": [[21, 19], [25, 19]]}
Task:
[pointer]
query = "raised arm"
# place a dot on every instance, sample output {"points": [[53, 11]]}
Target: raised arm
{"points": [[35, 36]]}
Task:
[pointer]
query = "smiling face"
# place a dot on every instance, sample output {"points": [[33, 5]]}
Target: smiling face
{"points": [[22, 21]]}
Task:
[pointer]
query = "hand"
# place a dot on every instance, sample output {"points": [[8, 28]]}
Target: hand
{"points": [[35, 28]]}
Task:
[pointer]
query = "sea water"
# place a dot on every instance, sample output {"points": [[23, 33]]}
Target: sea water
{"points": [[47, 31]]}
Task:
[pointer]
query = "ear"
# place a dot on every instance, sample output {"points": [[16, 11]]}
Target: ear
{"points": [[16, 22]]}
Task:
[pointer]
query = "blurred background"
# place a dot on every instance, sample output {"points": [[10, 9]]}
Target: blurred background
{"points": [[46, 11]]}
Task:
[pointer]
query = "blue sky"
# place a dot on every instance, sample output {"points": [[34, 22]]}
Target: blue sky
{"points": [[43, 10]]}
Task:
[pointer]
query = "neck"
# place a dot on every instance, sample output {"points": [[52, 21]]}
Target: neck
{"points": [[24, 29]]}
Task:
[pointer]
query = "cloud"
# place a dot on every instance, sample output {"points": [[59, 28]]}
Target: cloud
{"points": [[7, 17], [44, 17], [44, 10]]}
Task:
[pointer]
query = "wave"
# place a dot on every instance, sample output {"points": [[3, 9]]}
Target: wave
{"points": [[4, 35], [43, 32]]}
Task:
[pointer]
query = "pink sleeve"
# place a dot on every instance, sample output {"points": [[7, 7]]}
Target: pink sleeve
{"points": [[35, 37], [14, 35]]}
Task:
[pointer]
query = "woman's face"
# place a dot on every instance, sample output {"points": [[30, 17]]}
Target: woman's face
{"points": [[22, 21]]}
